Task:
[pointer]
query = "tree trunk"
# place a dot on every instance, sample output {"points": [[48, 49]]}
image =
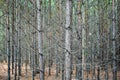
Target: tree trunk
{"points": [[68, 40], [49, 62], [13, 35], [40, 39], [118, 25], [114, 41], [79, 33], [98, 41], [19, 42], [8, 39], [57, 61], [50, 41], [16, 43]]}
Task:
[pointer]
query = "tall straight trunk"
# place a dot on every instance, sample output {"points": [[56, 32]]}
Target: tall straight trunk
{"points": [[60, 20], [19, 42], [84, 32], [43, 7], [19, 54], [30, 53], [50, 41], [56, 52], [108, 48], [79, 73], [8, 39], [63, 40], [118, 25], [40, 40], [68, 40], [26, 56], [33, 51], [49, 73], [98, 41], [114, 41], [93, 50], [16, 42], [16, 55], [33, 55], [63, 58], [13, 35], [34, 70]]}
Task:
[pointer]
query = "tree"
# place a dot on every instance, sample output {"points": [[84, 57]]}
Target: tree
{"points": [[19, 40], [81, 36], [68, 39], [40, 39], [8, 38], [114, 41], [118, 33], [13, 34], [79, 33], [98, 41]]}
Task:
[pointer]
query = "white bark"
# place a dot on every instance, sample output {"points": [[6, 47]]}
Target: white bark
{"points": [[68, 40], [40, 40]]}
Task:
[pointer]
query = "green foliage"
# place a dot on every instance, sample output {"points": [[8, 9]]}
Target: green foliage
{"points": [[2, 5], [1, 13], [1, 2]]}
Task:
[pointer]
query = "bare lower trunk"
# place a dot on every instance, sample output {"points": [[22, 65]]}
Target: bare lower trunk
{"points": [[80, 55], [114, 52], [68, 40], [40, 39], [13, 35], [8, 40]]}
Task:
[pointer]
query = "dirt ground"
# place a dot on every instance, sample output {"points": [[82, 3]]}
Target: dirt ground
{"points": [[3, 74]]}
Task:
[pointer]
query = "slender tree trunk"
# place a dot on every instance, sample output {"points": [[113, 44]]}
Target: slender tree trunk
{"points": [[108, 49], [114, 41], [33, 56], [60, 20], [56, 52], [19, 41], [63, 59], [13, 35], [79, 57], [118, 25], [98, 42], [16, 51], [33, 53], [40, 39], [34, 70], [8, 39], [63, 40], [26, 52], [26, 60], [50, 41], [16, 44], [49, 64], [68, 39]]}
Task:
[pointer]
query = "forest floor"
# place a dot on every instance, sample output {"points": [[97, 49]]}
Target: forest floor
{"points": [[3, 74]]}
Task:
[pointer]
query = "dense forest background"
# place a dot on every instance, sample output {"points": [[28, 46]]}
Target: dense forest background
{"points": [[60, 39]]}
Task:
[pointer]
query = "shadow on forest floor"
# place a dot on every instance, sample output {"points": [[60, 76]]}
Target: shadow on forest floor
{"points": [[3, 74]]}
